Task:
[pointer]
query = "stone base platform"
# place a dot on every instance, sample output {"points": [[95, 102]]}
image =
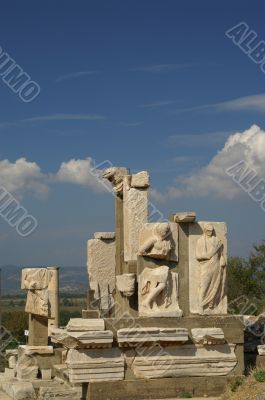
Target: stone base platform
{"points": [[232, 326], [169, 388]]}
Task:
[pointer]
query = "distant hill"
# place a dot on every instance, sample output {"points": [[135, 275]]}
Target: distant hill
{"points": [[72, 279]]}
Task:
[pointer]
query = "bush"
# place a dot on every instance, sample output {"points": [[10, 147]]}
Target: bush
{"points": [[259, 376]]}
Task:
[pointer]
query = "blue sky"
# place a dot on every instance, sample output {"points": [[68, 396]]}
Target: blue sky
{"points": [[125, 81]]}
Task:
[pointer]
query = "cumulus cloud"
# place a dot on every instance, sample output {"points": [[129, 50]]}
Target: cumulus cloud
{"points": [[212, 179], [22, 176], [81, 172]]}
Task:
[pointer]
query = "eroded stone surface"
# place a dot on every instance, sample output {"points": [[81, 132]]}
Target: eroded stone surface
{"points": [[208, 336], [101, 270], [125, 283], [140, 180], [23, 391], [82, 324], [166, 336], [36, 282], [115, 176], [79, 340], [189, 216], [30, 350], [207, 268], [104, 235], [186, 360], [95, 365], [135, 213]]}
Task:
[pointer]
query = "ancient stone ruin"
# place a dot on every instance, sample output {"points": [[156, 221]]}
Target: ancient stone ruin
{"points": [[156, 323]]}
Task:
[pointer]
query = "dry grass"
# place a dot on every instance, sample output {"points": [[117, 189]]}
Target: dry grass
{"points": [[250, 389]]}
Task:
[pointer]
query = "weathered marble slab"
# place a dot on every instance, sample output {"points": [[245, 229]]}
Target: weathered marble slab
{"points": [[135, 214], [95, 365], [186, 360], [101, 268], [166, 336], [83, 324], [208, 336], [79, 340], [210, 273], [30, 350]]}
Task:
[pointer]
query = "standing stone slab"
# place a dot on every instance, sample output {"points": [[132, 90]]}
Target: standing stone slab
{"points": [[135, 212], [207, 268], [101, 268]]}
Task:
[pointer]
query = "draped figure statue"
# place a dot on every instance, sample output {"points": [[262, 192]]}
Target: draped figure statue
{"points": [[209, 253]]}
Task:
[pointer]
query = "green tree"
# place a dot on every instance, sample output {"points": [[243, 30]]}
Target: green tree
{"points": [[246, 281]]}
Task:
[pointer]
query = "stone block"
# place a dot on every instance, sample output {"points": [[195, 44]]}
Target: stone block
{"points": [[79, 340], [30, 350], [82, 324], [46, 374], [186, 360], [185, 217], [132, 337], [104, 235], [163, 388], [23, 391], [208, 336], [140, 180], [95, 365]]}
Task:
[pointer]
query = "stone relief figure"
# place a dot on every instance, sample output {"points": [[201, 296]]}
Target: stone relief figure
{"points": [[158, 245], [153, 285], [209, 253], [36, 281], [158, 292]]}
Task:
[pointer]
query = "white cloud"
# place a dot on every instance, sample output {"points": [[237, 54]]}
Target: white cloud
{"points": [[65, 117], [157, 104], [160, 68], [247, 103], [81, 172], [23, 176], [75, 75], [212, 179]]}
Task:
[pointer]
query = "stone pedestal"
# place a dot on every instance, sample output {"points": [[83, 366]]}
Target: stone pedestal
{"points": [[38, 330]]}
